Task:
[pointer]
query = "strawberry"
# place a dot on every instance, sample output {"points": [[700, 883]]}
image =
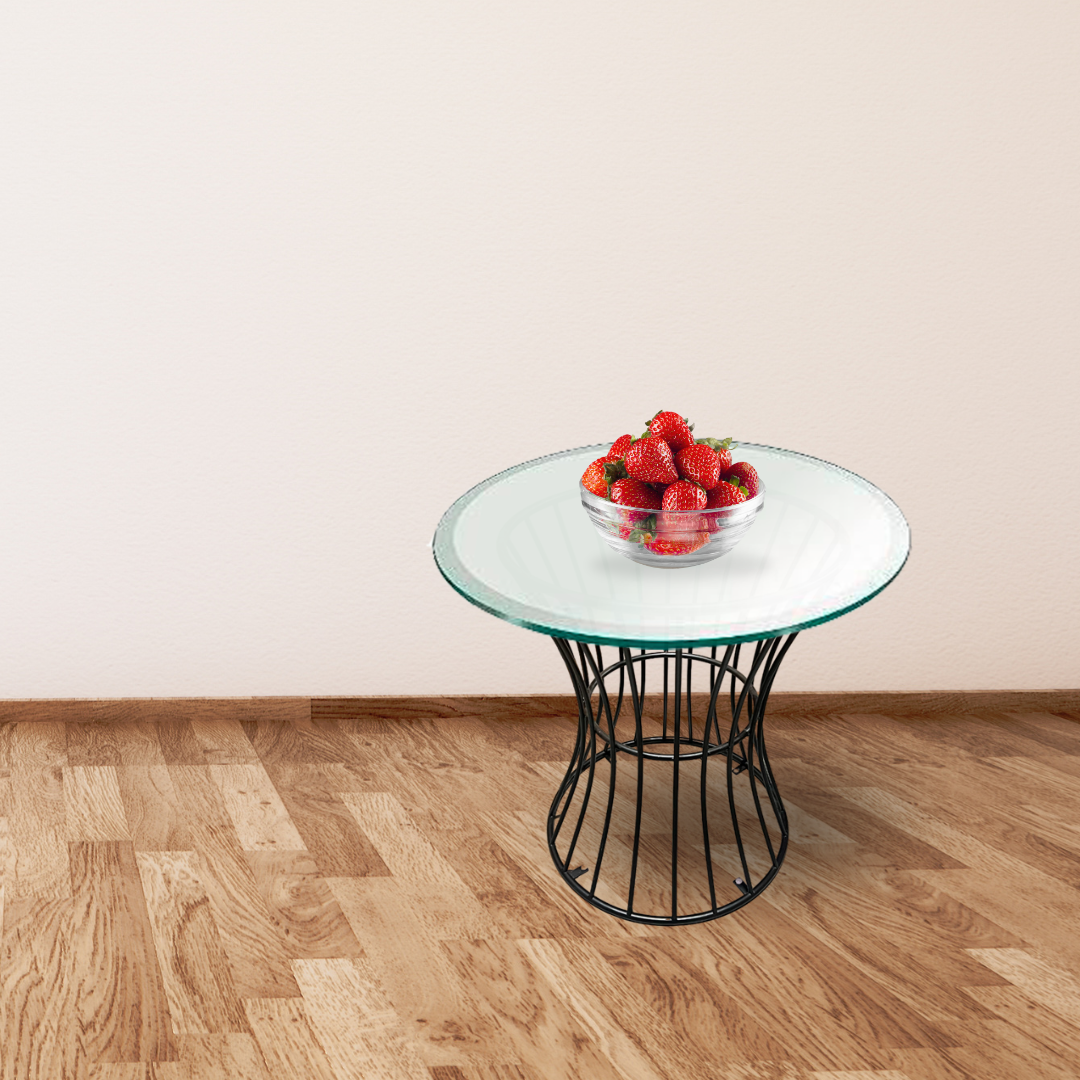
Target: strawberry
{"points": [[650, 459], [673, 429], [724, 494], [637, 493], [684, 495], [620, 446], [600, 475], [700, 464], [674, 523], [638, 527], [677, 545], [722, 449], [743, 473]]}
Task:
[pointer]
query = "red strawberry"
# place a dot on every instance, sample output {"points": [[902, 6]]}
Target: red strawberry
{"points": [[723, 448], [744, 473], [700, 464], [677, 545], [637, 493], [600, 474], [650, 459], [684, 495], [620, 446], [724, 494], [674, 522], [638, 526], [673, 429]]}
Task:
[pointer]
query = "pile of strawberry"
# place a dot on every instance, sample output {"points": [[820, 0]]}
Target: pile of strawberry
{"points": [[666, 471]]}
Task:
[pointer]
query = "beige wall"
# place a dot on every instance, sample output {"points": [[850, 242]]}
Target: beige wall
{"points": [[281, 280]]}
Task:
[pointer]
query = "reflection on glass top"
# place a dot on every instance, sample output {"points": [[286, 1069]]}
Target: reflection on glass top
{"points": [[521, 546]]}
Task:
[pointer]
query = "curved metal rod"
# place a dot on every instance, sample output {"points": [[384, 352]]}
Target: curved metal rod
{"points": [[716, 666], [612, 755], [759, 654], [638, 703], [710, 719], [597, 738]]}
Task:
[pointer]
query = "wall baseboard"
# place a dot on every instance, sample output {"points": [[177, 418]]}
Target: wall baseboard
{"points": [[927, 704], [913, 704]]}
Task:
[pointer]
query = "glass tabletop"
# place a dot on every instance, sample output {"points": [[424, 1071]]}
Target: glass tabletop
{"points": [[521, 546]]}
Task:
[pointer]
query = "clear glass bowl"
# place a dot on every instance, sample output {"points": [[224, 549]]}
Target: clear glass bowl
{"points": [[636, 533]]}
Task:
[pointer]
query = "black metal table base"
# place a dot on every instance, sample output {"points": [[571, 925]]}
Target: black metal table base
{"points": [[657, 820]]}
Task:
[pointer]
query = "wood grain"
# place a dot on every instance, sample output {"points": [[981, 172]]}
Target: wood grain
{"points": [[300, 902], [120, 1003], [338, 888], [198, 981], [329, 832], [153, 811], [520, 709], [93, 804], [37, 991], [258, 815], [436, 1009], [354, 1020], [37, 819], [289, 1046], [249, 935]]}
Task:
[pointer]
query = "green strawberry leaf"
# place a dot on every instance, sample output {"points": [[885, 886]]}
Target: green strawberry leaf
{"points": [[614, 470], [717, 444]]}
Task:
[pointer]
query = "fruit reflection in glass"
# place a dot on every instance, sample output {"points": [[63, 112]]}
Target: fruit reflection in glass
{"points": [[671, 538]]}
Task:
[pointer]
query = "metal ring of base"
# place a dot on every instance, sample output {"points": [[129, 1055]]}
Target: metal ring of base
{"points": [[611, 730]]}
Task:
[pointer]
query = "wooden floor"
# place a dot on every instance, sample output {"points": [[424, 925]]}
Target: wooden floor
{"points": [[300, 889]]}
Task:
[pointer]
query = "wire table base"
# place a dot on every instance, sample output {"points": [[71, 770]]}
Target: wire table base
{"points": [[658, 821]]}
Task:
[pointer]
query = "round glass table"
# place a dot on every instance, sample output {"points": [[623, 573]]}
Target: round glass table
{"points": [[669, 812]]}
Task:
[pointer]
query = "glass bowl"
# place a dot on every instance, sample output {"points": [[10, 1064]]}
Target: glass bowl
{"points": [[671, 538]]}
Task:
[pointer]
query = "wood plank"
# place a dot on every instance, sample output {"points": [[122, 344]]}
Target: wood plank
{"points": [[223, 740], [151, 710], [120, 1003], [518, 708], [621, 1023], [249, 935], [1047, 984], [429, 879], [38, 823], [93, 804], [152, 808], [326, 827], [197, 978], [93, 744], [533, 1015], [997, 884], [305, 741], [223, 1056], [259, 816], [36, 991], [285, 1037], [697, 1011], [178, 743], [834, 1016], [119, 1070], [113, 742], [354, 1021], [401, 944], [1046, 1027], [781, 703], [300, 902], [915, 961]]}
